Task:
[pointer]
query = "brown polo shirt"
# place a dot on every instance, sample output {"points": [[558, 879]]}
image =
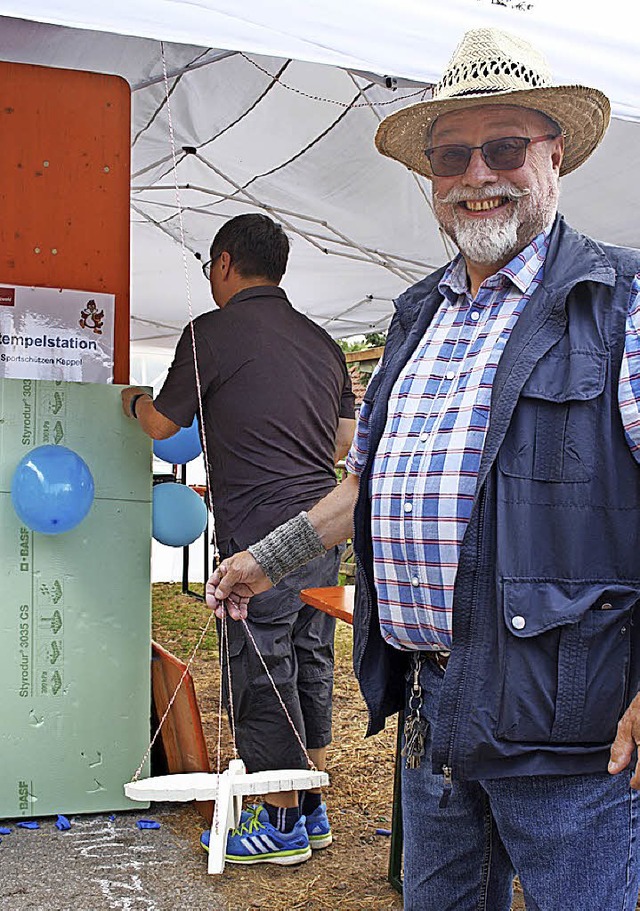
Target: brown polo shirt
{"points": [[274, 385]]}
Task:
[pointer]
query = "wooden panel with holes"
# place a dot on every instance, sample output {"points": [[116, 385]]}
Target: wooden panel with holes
{"points": [[64, 186]]}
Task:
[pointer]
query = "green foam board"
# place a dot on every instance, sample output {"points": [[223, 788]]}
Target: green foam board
{"points": [[75, 610]]}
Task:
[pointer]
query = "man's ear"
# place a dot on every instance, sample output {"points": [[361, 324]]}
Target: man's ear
{"points": [[225, 264], [558, 153]]}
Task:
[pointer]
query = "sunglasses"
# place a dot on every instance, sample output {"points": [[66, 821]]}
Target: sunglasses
{"points": [[504, 154]]}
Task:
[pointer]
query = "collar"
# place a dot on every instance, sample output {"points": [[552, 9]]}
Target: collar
{"points": [[572, 257], [256, 292], [519, 271]]}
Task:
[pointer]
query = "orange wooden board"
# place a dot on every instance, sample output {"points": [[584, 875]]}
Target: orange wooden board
{"points": [[182, 737], [336, 600], [64, 186]]}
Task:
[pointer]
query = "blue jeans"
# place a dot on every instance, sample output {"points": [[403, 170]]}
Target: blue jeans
{"points": [[572, 840]]}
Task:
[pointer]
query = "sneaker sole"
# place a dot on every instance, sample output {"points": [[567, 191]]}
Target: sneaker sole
{"points": [[317, 842], [284, 860]]}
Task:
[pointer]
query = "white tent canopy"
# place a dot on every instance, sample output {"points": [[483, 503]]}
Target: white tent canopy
{"points": [[274, 106]]}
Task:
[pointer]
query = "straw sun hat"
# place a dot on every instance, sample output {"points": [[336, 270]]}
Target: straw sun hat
{"points": [[493, 67]]}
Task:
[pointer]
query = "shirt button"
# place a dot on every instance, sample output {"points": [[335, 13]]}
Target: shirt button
{"points": [[415, 581], [451, 375], [518, 622], [424, 437], [475, 315], [408, 507]]}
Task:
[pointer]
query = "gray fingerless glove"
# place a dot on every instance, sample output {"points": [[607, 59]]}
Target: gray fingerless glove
{"points": [[287, 547]]}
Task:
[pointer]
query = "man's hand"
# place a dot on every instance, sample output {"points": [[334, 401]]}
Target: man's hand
{"points": [[240, 577], [126, 396], [627, 740], [153, 423], [236, 580]]}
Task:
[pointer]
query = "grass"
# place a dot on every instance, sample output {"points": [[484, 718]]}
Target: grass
{"points": [[178, 621]]}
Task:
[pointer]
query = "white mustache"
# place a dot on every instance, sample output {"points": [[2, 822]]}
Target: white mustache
{"points": [[457, 194]]}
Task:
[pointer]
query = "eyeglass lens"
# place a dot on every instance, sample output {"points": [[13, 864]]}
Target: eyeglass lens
{"points": [[499, 154]]}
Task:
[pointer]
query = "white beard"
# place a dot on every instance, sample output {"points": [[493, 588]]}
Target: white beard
{"points": [[486, 242], [499, 239]]}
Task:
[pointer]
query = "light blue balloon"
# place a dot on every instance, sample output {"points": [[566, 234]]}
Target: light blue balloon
{"points": [[182, 447], [52, 489], [179, 514]]}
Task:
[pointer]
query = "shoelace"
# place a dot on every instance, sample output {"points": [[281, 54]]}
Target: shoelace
{"points": [[251, 824]]}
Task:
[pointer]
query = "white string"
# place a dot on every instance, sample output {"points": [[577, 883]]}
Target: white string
{"points": [[280, 700], [224, 644], [173, 698], [215, 822], [223, 636], [183, 246], [200, 411], [229, 689], [224, 661], [225, 664]]}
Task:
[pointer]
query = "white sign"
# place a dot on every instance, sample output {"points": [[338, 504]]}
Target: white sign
{"points": [[56, 334]]}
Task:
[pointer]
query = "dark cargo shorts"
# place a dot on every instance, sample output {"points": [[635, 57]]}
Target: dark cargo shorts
{"points": [[296, 643]]}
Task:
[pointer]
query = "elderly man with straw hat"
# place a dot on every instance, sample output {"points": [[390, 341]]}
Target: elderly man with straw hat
{"points": [[496, 482]]}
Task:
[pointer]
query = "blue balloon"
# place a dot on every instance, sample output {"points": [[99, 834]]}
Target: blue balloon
{"points": [[184, 446], [179, 514], [52, 489]]}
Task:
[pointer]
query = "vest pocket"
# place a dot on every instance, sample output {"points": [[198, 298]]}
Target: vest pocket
{"points": [[551, 435], [566, 653]]}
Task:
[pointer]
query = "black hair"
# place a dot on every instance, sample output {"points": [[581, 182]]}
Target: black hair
{"points": [[256, 244]]}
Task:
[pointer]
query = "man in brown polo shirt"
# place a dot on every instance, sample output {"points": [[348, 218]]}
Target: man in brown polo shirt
{"points": [[278, 414]]}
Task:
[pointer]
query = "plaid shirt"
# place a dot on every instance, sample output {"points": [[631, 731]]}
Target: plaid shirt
{"points": [[629, 383], [425, 470]]}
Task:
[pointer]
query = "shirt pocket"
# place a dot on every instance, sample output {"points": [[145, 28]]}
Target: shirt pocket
{"points": [[552, 433], [566, 654]]}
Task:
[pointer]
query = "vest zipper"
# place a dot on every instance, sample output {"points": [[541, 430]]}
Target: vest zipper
{"points": [[447, 787], [365, 586], [447, 768]]}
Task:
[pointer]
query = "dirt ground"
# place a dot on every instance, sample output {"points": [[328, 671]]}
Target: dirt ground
{"points": [[352, 873]]}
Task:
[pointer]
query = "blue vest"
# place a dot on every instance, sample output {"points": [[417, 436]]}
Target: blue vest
{"points": [[546, 650]]}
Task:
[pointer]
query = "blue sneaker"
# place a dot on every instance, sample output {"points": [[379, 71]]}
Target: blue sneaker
{"points": [[319, 828], [250, 811], [256, 841]]}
